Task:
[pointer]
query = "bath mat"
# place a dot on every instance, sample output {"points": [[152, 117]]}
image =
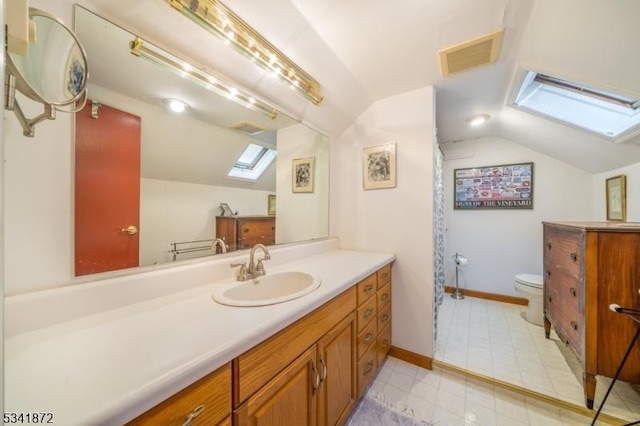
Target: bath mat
{"points": [[370, 412]]}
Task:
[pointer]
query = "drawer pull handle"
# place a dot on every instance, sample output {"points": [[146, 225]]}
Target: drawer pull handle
{"points": [[548, 273], [368, 313], [573, 256], [369, 337], [385, 297], [316, 381], [384, 318], [368, 369], [550, 299], [192, 415], [572, 291], [385, 274], [368, 288], [574, 325], [548, 246], [245, 230], [324, 369], [385, 344]]}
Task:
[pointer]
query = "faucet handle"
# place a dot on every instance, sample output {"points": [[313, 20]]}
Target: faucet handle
{"points": [[260, 267], [242, 272]]}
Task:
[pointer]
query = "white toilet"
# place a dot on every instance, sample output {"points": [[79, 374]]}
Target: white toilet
{"points": [[529, 286]]}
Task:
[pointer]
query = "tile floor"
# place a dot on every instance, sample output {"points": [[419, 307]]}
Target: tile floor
{"points": [[494, 339], [442, 398]]}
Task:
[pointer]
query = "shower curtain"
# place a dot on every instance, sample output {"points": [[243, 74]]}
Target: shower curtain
{"points": [[438, 233]]}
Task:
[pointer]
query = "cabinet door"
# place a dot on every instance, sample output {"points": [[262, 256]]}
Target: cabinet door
{"points": [[288, 399], [336, 360]]}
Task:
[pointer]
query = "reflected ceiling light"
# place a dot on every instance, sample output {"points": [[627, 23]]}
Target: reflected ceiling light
{"points": [[199, 76], [176, 105], [477, 120], [216, 18]]}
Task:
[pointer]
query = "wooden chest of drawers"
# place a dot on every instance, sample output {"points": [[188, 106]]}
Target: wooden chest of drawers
{"points": [[587, 267], [243, 232]]}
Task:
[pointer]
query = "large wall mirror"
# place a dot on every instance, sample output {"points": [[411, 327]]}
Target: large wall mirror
{"points": [[183, 160]]}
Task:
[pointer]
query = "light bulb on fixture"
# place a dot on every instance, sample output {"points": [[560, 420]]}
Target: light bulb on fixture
{"points": [[176, 105], [477, 120]]}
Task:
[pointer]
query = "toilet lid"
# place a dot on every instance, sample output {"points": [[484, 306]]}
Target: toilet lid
{"points": [[530, 280]]}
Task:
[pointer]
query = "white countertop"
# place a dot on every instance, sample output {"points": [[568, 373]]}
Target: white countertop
{"points": [[111, 366]]}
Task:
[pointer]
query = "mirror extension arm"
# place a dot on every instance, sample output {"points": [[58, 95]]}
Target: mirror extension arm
{"points": [[11, 104]]}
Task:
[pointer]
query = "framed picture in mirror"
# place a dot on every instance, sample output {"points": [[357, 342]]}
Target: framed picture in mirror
{"points": [[303, 169], [617, 198], [226, 210], [271, 205]]}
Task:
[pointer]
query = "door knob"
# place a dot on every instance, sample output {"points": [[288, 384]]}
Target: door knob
{"points": [[131, 230]]}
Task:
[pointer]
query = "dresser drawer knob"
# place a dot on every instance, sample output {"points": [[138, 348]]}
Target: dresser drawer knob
{"points": [[369, 337], [368, 368], [385, 344], [368, 289], [548, 246], [368, 313], [550, 299], [384, 318], [548, 273], [573, 256], [572, 291], [385, 275], [385, 297], [574, 325]]}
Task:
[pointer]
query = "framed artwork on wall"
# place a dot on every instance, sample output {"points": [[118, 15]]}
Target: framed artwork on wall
{"points": [[617, 198], [508, 186], [225, 210], [303, 169], [379, 166]]}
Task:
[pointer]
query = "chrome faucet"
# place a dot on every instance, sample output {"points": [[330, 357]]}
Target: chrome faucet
{"points": [[219, 242], [257, 270], [253, 270]]}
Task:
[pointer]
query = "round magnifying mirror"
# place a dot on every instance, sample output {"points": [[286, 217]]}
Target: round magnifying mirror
{"points": [[54, 69]]}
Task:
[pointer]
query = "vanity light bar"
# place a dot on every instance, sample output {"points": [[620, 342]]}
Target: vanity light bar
{"points": [[216, 18], [200, 77]]}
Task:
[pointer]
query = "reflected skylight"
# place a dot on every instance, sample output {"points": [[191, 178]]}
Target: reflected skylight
{"points": [[252, 163], [608, 114]]}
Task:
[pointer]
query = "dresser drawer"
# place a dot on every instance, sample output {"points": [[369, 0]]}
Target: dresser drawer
{"points": [[563, 251], [567, 289], [208, 401], [383, 344], [384, 296], [367, 288], [366, 312], [367, 367], [384, 316], [384, 275], [367, 337]]}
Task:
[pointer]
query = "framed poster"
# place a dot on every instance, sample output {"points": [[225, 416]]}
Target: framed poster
{"points": [[617, 198], [303, 174], [379, 166], [508, 186], [271, 204]]}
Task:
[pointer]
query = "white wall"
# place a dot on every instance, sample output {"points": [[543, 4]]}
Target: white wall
{"points": [[295, 211], [177, 211], [397, 220], [503, 243], [633, 193]]}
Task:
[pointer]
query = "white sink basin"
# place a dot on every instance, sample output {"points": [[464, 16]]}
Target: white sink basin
{"points": [[266, 290]]}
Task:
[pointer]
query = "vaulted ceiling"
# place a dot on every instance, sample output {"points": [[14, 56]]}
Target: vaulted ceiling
{"points": [[362, 51]]}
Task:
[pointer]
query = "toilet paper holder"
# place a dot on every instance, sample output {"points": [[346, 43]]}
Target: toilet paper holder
{"points": [[460, 261]]}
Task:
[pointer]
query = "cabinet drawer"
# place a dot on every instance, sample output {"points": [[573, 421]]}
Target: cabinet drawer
{"points": [[367, 288], [383, 344], [209, 397], [384, 296], [384, 317], [564, 288], [367, 337], [384, 275], [366, 312], [562, 250], [367, 367]]}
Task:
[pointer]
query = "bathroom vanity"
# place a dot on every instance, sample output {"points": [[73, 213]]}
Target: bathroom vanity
{"points": [[180, 355], [587, 267]]}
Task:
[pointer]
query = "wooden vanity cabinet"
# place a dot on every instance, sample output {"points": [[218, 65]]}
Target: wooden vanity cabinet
{"points": [[206, 402], [587, 267], [243, 232], [304, 374]]}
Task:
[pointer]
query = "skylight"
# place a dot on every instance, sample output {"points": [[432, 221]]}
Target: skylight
{"points": [[611, 115], [252, 163]]}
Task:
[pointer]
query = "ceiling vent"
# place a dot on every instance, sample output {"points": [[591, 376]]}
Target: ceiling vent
{"points": [[482, 50], [248, 128]]}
